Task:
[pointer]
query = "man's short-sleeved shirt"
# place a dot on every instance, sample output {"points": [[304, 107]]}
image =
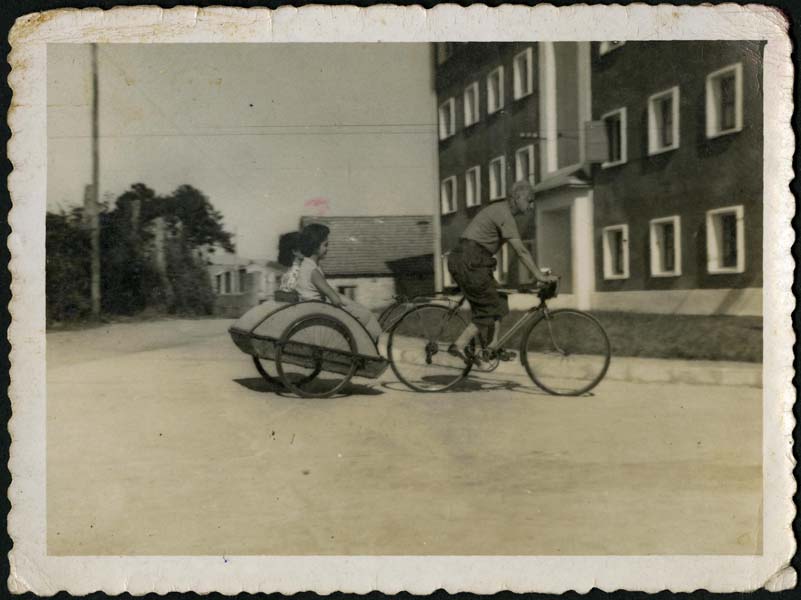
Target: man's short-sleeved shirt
{"points": [[492, 227]]}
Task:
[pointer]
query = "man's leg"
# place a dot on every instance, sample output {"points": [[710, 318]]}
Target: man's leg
{"points": [[468, 334]]}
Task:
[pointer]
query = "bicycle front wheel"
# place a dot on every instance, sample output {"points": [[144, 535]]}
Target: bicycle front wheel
{"points": [[418, 348], [566, 352]]}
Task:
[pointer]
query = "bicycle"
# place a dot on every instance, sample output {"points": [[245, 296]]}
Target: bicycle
{"points": [[566, 352]]}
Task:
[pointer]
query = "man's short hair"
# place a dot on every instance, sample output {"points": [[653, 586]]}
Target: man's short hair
{"points": [[522, 185]]}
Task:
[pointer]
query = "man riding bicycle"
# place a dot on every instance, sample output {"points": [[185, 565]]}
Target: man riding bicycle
{"points": [[472, 262]]}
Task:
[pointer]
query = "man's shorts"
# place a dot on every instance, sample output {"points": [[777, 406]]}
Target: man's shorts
{"points": [[471, 266]]}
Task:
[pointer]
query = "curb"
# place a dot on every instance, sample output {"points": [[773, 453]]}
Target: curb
{"points": [[658, 370]]}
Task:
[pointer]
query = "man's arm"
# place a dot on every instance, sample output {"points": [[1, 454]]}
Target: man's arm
{"points": [[528, 261], [326, 290]]}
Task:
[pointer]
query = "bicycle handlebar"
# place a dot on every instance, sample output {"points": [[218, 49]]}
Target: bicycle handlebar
{"points": [[545, 291]]}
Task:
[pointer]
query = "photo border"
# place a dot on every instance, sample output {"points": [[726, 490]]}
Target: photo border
{"points": [[31, 568]]}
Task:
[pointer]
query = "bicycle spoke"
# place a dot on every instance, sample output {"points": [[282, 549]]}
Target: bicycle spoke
{"points": [[418, 344], [566, 352]]}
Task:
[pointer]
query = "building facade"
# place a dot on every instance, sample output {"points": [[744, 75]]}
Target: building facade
{"points": [[678, 202], [239, 283], [648, 179]]}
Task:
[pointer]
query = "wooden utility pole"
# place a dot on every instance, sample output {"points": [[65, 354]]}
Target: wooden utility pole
{"points": [[94, 210]]}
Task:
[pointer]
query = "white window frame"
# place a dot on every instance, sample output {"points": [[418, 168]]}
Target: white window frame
{"points": [[518, 89], [653, 148], [624, 149], [608, 251], [712, 106], [529, 150], [453, 205], [608, 46], [502, 185], [491, 108], [447, 278], [501, 271], [218, 281], [472, 90], [714, 243], [472, 193], [655, 243], [448, 129]]}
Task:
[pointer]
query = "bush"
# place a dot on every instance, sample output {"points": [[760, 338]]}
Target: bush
{"points": [[190, 286], [68, 267]]}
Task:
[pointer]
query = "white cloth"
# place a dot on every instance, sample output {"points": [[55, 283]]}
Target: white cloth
{"points": [[304, 287]]}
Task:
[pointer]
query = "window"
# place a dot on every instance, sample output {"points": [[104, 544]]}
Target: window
{"points": [[724, 101], [617, 148], [524, 164], [495, 90], [447, 195], [227, 288], [606, 47], [242, 279], [502, 267], [349, 291], [666, 247], [218, 283], [616, 251], [471, 106], [497, 178], [523, 77], [663, 121], [472, 180], [725, 240], [447, 279], [447, 119]]}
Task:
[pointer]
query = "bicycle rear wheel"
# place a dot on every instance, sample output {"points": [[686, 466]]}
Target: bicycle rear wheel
{"points": [[418, 348], [566, 352]]}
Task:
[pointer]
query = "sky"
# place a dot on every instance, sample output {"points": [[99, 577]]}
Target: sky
{"points": [[269, 132]]}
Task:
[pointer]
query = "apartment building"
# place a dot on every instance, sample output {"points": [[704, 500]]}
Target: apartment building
{"points": [[646, 158]]}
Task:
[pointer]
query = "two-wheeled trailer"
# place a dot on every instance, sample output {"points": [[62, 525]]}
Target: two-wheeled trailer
{"points": [[316, 348]]}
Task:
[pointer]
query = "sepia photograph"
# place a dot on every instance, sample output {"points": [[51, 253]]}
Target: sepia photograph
{"points": [[405, 299]]}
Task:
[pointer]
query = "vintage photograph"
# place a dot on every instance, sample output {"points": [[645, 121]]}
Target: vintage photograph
{"points": [[405, 299], [517, 284]]}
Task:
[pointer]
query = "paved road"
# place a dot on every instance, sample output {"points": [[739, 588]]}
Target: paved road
{"points": [[163, 440]]}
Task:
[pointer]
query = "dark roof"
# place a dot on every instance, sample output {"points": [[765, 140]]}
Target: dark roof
{"points": [[376, 245]]}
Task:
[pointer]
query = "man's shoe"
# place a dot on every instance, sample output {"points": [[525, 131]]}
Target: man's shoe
{"points": [[506, 355], [467, 356]]}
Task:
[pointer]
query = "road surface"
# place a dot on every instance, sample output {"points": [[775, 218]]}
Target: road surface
{"points": [[162, 439]]}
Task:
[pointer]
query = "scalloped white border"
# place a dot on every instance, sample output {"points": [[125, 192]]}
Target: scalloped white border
{"points": [[32, 569]]}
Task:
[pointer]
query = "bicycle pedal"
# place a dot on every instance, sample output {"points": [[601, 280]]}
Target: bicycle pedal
{"points": [[506, 355]]}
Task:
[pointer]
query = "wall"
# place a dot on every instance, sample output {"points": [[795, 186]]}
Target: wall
{"points": [[701, 174], [372, 292], [492, 136]]}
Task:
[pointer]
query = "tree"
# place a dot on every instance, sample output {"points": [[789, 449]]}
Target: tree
{"points": [[132, 276], [67, 274], [189, 213]]}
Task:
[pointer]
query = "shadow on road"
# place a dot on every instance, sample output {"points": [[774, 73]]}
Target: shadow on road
{"points": [[474, 384], [258, 384]]}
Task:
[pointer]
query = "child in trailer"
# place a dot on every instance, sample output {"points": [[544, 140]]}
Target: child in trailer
{"points": [[311, 283], [289, 256]]}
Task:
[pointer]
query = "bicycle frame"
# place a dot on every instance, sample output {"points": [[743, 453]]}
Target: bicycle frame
{"points": [[530, 315]]}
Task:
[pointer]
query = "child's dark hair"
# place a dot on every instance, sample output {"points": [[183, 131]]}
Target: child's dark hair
{"points": [[311, 237], [287, 244]]}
